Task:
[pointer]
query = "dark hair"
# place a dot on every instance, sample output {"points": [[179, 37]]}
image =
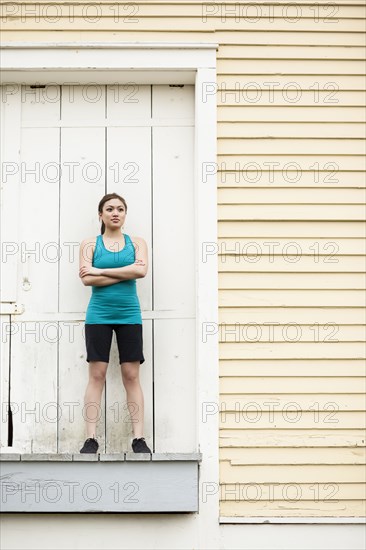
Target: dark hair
{"points": [[104, 200]]}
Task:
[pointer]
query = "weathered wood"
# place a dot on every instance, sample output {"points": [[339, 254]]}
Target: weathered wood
{"points": [[92, 485]]}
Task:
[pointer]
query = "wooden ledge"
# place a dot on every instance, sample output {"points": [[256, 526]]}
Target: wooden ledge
{"points": [[102, 482], [102, 457]]}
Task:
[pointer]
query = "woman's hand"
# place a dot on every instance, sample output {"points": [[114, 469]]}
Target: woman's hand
{"points": [[85, 270]]}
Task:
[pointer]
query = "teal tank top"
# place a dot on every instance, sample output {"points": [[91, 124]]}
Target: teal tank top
{"points": [[119, 302]]}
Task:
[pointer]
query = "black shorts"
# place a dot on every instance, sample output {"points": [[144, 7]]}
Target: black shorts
{"points": [[98, 339]]}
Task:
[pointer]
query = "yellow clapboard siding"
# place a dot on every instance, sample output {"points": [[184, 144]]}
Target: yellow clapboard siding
{"points": [[298, 420], [292, 367], [284, 130], [308, 384], [291, 260], [308, 211], [279, 51], [288, 473], [227, 83], [239, 195], [289, 113], [262, 348], [214, 36], [148, 23], [294, 146], [284, 455], [312, 316], [234, 492], [277, 246], [240, 332], [291, 281], [291, 298], [290, 66], [315, 508], [305, 402], [294, 229], [292, 438]]}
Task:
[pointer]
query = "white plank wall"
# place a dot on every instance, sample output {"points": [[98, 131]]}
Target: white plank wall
{"points": [[138, 142]]}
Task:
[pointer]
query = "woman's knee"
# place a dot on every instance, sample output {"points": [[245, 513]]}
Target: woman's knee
{"points": [[130, 372], [97, 372]]}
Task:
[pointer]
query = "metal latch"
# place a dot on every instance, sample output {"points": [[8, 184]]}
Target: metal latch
{"points": [[11, 308]]}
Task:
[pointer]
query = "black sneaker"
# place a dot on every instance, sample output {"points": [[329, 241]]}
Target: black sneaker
{"points": [[90, 446], [139, 445]]}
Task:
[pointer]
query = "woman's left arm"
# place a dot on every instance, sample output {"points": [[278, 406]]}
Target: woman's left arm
{"points": [[136, 270]]}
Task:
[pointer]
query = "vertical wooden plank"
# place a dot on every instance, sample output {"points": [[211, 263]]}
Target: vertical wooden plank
{"points": [[174, 219], [81, 190], [81, 104], [129, 174], [34, 385], [175, 395], [82, 187], [10, 178], [174, 273], [128, 101], [5, 328], [34, 342], [73, 379], [38, 219], [129, 153], [173, 101]]}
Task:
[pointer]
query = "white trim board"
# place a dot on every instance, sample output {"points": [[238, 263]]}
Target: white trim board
{"points": [[107, 63], [62, 63]]}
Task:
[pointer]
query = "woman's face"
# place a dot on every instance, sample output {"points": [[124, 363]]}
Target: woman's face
{"points": [[113, 214]]}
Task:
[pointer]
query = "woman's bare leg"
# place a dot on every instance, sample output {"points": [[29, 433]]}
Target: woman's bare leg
{"points": [[135, 398], [93, 394]]}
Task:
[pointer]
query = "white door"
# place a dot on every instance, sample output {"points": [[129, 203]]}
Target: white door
{"points": [[76, 143]]}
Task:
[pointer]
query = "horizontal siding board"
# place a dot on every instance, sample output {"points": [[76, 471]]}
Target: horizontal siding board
{"points": [[159, 23], [286, 473], [331, 332], [289, 113], [291, 438], [272, 385], [310, 211], [206, 35], [292, 367], [232, 492], [298, 195], [295, 229], [294, 146], [283, 455], [291, 298], [308, 130], [316, 508], [280, 51], [292, 281], [241, 402], [227, 83], [304, 420], [277, 350], [316, 248], [300, 263], [283, 316], [290, 66]]}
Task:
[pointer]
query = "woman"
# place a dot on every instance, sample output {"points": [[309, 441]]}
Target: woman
{"points": [[110, 264]]}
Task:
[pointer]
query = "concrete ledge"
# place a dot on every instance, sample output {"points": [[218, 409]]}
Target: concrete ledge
{"points": [[120, 482]]}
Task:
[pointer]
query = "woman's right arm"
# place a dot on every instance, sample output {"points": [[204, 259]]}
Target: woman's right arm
{"points": [[86, 259]]}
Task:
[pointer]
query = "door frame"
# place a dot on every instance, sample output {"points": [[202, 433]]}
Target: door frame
{"points": [[158, 63]]}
